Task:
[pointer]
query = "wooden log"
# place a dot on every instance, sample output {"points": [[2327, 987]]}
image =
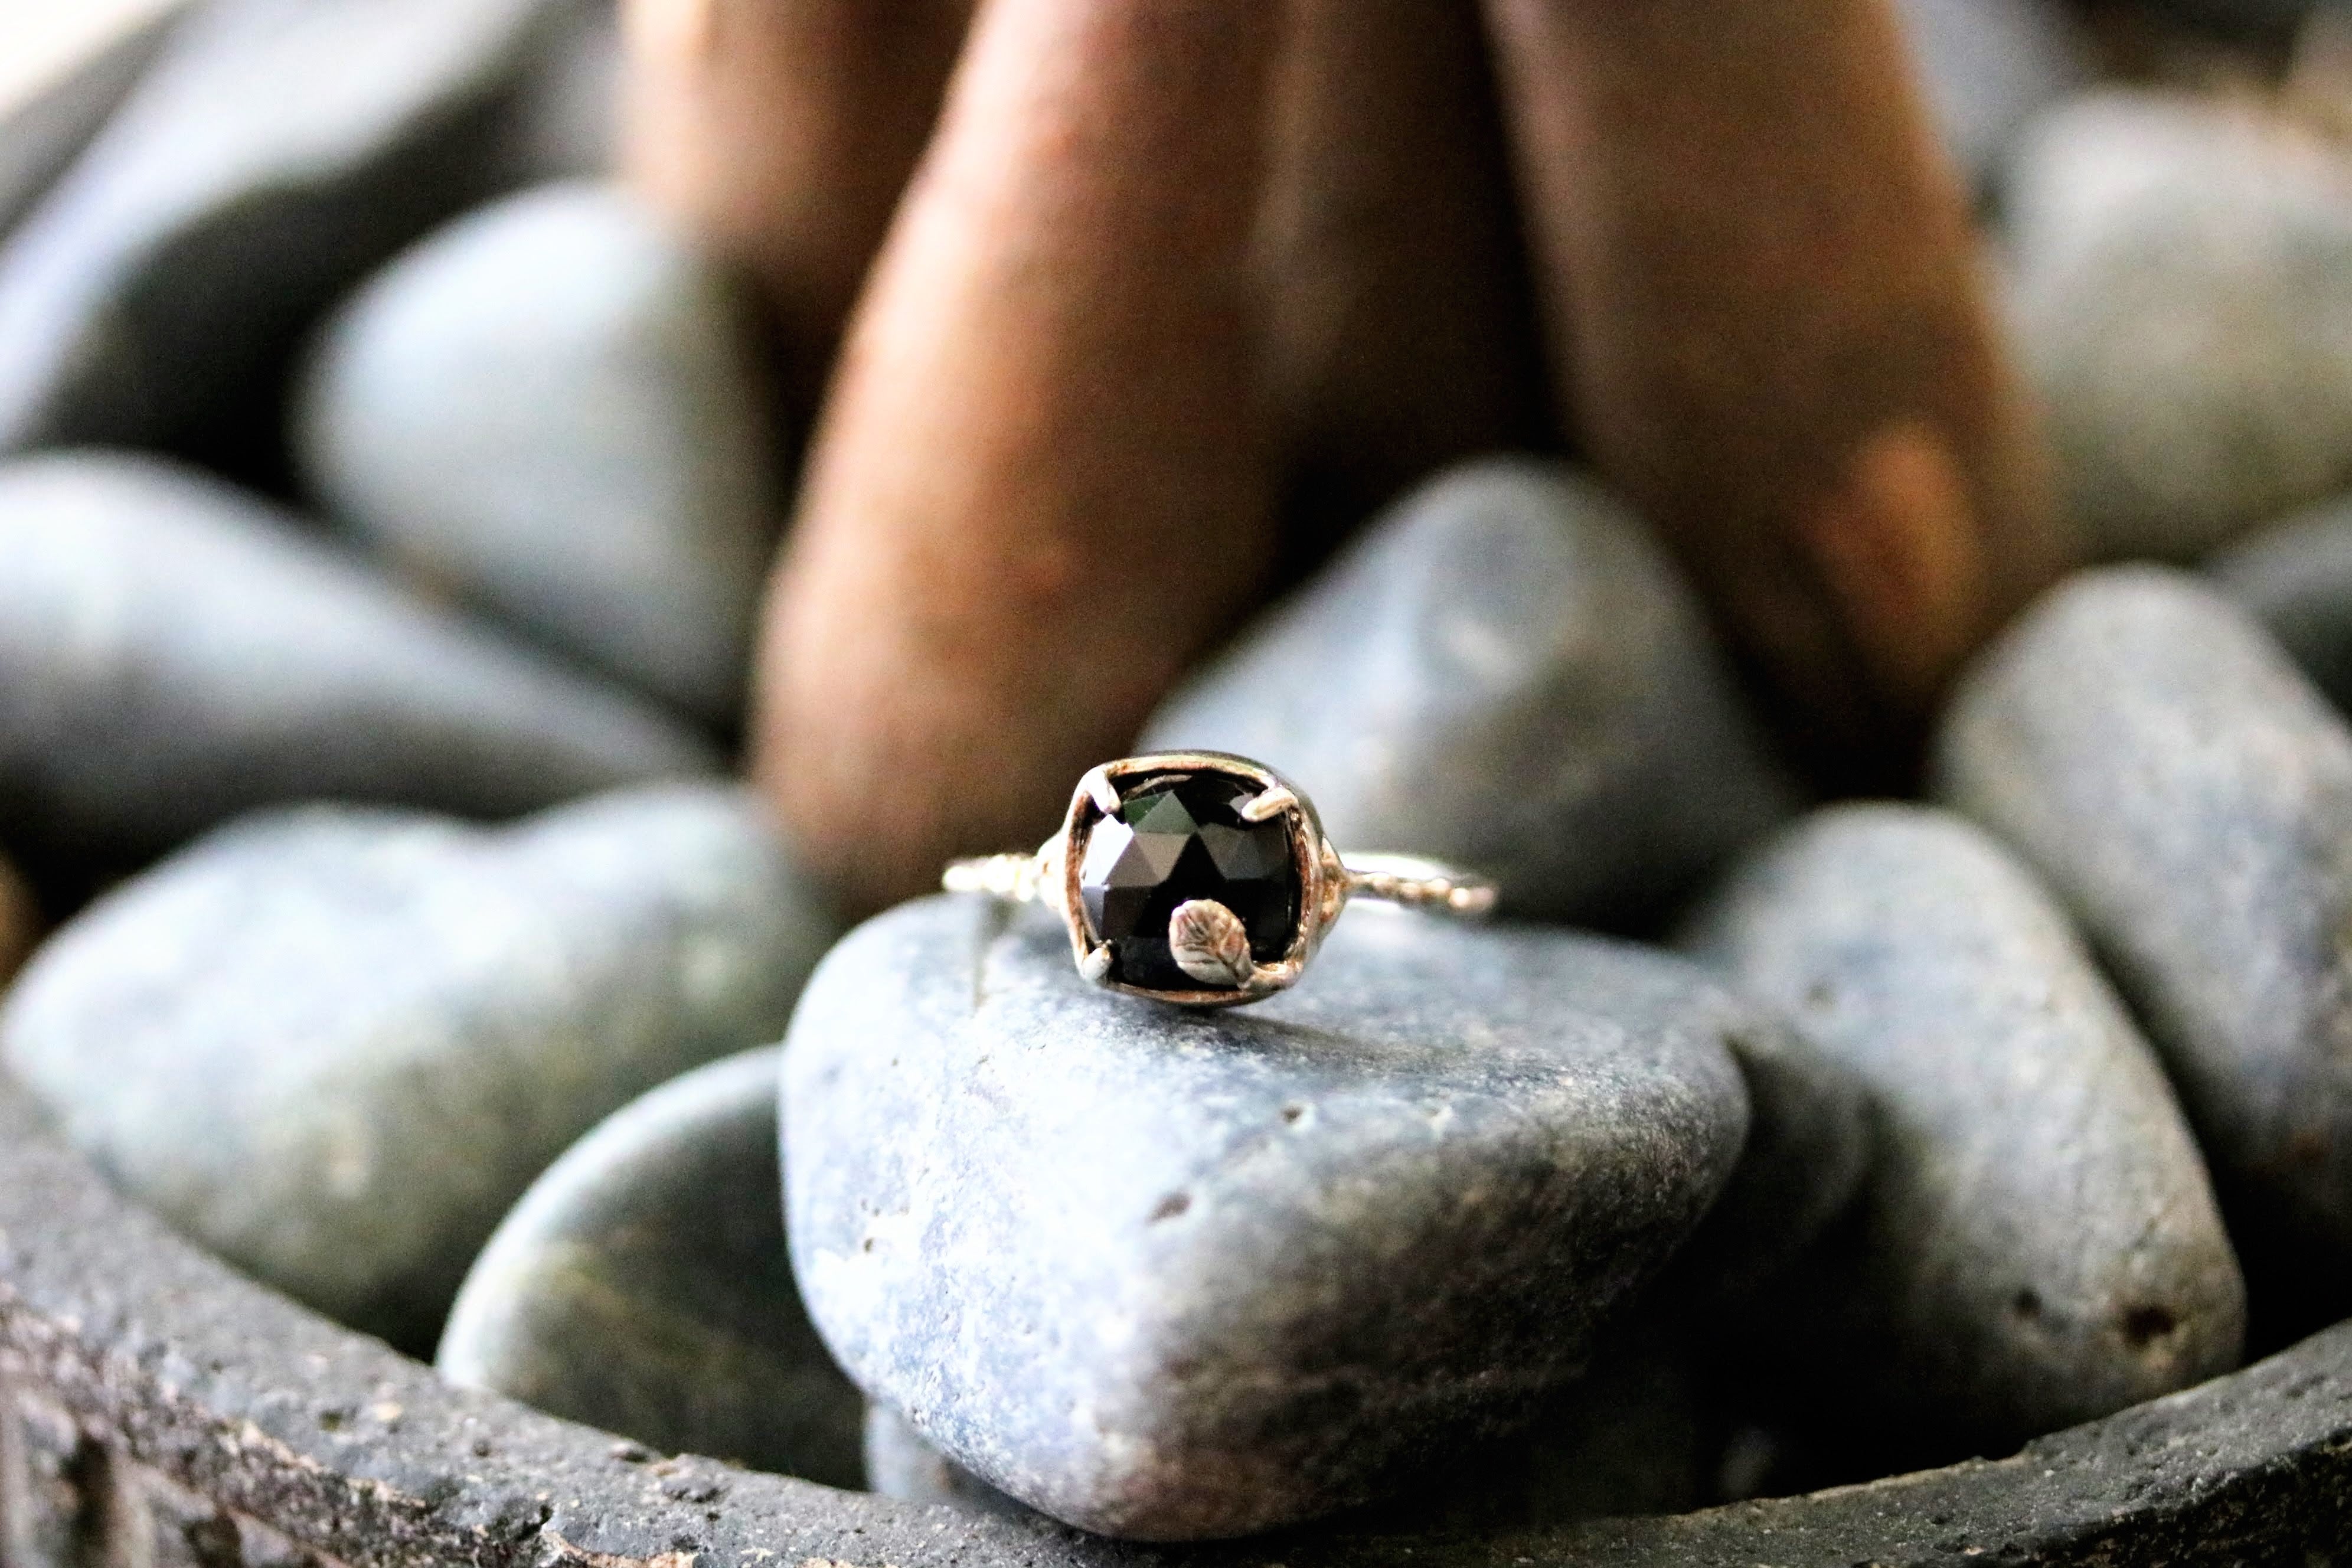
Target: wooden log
{"points": [[1040, 483], [1763, 288], [780, 133]]}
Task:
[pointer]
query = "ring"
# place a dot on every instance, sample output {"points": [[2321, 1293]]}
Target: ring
{"points": [[1204, 878]]}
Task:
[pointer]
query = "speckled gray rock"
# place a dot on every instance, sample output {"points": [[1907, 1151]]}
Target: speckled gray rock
{"points": [[2181, 786], [336, 1045], [277, 151], [1989, 66], [2182, 295], [2039, 1244], [173, 651], [1505, 672], [558, 411], [642, 1286], [1170, 1275], [2295, 577]]}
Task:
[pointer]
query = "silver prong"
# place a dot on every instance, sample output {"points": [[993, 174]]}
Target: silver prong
{"points": [[1272, 803], [1098, 787], [1095, 965]]}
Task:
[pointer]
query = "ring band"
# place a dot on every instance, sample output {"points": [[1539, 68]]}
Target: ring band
{"points": [[1204, 878]]}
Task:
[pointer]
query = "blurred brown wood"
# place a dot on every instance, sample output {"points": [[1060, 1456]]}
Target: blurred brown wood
{"points": [[1763, 289], [781, 132], [20, 925], [1399, 327], [1039, 484]]}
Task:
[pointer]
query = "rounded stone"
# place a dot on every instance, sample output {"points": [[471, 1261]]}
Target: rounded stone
{"points": [[2295, 577], [2038, 1242], [173, 651], [557, 411], [2179, 292], [1505, 672], [1170, 1275], [2189, 795], [336, 1045], [643, 1286]]}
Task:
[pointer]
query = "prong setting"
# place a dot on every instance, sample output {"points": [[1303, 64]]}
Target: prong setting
{"points": [[1270, 805]]}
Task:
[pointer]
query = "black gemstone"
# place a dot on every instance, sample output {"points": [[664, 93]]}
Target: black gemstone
{"points": [[1177, 837]]}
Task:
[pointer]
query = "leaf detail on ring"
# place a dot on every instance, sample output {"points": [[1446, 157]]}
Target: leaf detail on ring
{"points": [[1210, 943]]}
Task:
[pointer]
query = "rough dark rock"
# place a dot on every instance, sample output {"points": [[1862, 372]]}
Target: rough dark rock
{"points": [[2039, 1243], [338, 1044], [275, 153], [2188, 794], [173, 651], [1990, 66], [162, 1405], [39, 137], [2179, 299], [642, 1286], [556, 410], [2295, 577], [1168, 1275], [1505, 672]]}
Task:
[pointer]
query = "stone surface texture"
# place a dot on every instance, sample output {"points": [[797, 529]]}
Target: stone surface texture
{"points": [[173, 651], [2039, 1243], [643, 1286], [2188, 794], [2179, 296], [2295, 577], [1171, 1275], [1504, 671], [336, 1045], [275, 153], [556, 410]]}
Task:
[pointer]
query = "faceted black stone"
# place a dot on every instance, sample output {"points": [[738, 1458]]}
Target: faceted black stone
{"points": [[1177, 837]]}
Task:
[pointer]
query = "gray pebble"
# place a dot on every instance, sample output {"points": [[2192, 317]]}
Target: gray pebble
{"points": [[1168, 1275], [1989, 66], [558, 411], [2186, 791], [2039, 1244], [336, 1045], [1506, 672], [642, 1286], [2182, 294], [173, 652], [277, 151], [2295, 577]]}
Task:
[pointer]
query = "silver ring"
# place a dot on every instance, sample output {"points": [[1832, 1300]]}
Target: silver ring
{"points": [[1204, 878]]}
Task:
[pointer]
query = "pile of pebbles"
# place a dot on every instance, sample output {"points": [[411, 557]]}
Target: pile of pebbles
{"points": [[386, 498]]}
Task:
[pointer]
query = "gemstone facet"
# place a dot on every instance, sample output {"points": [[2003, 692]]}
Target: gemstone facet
{"points": [[1179, 838]]}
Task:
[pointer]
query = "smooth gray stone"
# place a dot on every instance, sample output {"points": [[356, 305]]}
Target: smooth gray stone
{"points": [[557, 411], [2182, 300], [39, 137], [2188, 794], [2039, 1244], [642, 1286], [173, 652], [1990, 66], [335, 1044], [1504, 671], [1171, 1275], [276, 153], [2295, 577], [899, 1464]]}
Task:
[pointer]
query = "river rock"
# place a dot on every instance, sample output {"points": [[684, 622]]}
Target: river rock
{"points": [[642, 1286], [1506, 672], [2295, 577], [336, 1044], [1168, 1274], [275, 153], [2181, 299], [2038, 1244], [173, 651], [2188, 794], [1990, 66], [558, 411]]}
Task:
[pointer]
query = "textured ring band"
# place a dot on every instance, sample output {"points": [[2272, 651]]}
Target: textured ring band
{"points": [[1204, 878]]}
